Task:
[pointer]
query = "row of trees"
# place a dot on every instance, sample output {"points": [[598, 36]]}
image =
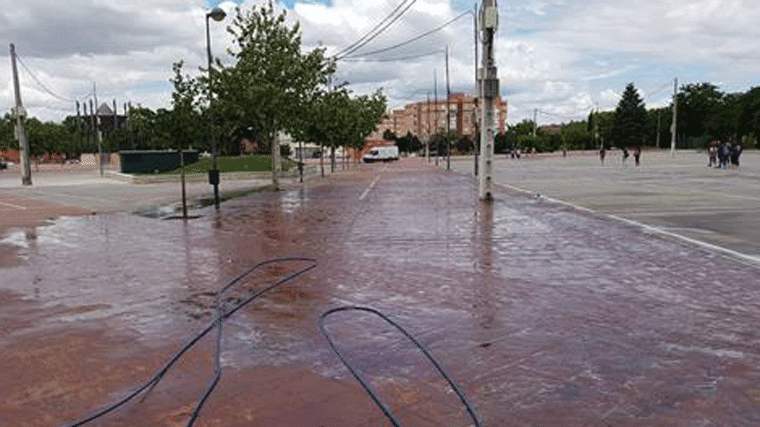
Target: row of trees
{"points": [[704, 114], [272, 86]]}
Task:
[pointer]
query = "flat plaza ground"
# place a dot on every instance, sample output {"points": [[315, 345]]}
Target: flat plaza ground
{"points": [[678, 194], [545, 314]]}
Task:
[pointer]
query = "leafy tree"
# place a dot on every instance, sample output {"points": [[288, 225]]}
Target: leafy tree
{"points": [[697, 103], [576, 136], [186, 124], [7, 139], [630, 119], [271, 81], [502, 142], [749, 123], [525, 127]]}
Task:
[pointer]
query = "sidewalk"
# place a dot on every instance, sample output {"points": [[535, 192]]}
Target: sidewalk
{"points": [[545, 315]]}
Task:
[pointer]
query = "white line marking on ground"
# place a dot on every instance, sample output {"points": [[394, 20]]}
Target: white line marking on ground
{"points": [[703, 212], [752, 259], [371, 186], [13, 206]]}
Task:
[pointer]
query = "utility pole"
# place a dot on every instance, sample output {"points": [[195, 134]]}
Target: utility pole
{"points": [[98, 131], [435, 97], [596, 128], [535, 124], [675, 115], [489, 84], [427, 141], [20, 114], [658, 127], [276, 159], [448, 113], [477, 94]]}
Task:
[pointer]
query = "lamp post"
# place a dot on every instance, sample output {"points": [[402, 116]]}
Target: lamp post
{"points": [[217, 14]]}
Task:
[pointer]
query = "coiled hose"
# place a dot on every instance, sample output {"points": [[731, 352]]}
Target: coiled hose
{"points": [[367, 387], [219, 317], [221, 314]]}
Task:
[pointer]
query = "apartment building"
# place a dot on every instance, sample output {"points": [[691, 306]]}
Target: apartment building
{"points": [[424, 118]]}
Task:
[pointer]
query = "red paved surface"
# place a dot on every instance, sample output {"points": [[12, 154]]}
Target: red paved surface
{"points": [[23, 212], [544, 315]]}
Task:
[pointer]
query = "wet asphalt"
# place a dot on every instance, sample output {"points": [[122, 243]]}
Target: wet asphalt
{"points": [[545, 315]]}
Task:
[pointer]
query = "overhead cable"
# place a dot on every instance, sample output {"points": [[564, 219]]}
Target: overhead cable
{"points": [[362, 38], [414, 39], [422, 55], [42, 85], [364, 43]]}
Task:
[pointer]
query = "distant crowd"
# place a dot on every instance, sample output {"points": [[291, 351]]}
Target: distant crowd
{"points": [[721, 153]]}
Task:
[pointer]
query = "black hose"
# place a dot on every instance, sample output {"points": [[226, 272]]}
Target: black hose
{"points": [[367, 387], [220, 316]]}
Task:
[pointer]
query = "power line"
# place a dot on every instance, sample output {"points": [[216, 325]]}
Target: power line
{"points": [[45, 88], [364, 43], [352, 45], [422, 55], [414, 38]]}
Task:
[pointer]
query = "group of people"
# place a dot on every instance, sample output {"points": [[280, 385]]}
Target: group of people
{"points": [[721, 153], [626, 153]]}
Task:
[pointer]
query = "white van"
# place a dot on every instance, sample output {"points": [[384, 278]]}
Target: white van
{"points": [[381, 154]]}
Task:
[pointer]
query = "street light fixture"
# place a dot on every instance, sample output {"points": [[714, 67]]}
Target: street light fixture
{"points": [[217, 14]]}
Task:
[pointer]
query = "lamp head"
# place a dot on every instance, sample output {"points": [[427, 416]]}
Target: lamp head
{"points": [[217, 14]]}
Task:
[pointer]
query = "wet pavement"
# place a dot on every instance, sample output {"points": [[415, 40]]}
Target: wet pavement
{"points": [[545, 315]]}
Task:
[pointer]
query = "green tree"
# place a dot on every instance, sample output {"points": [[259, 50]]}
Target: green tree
{"points": [[749, 123], [7, 138], [186, 123], [272, 80], [696, 104], [630, 119]]}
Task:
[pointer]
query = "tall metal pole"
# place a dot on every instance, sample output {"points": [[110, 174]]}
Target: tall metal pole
{"points": [[675, 115], [98, 131], [23, 143], [490, 90], [448, 114], [213, 174], [658, 127], [475, 147], [427, 140], [435, 102]]}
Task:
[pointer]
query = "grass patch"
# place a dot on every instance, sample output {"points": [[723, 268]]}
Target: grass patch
{"points": [[252, 163], [228, 195]]}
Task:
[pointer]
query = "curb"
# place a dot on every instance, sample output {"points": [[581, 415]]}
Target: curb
{"points": [[202, 177]]}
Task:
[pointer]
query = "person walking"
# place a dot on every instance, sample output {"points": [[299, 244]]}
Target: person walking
{"points": [[625, 154], [724, 154], [736, 151], [637, 154], [602, 154], [712, 152]]}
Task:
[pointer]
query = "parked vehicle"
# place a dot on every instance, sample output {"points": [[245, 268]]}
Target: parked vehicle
{"points": [[3, 165], [381, 154]]}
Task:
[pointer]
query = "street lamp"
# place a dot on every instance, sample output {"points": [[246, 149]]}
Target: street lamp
{"points": [[217, 14]]}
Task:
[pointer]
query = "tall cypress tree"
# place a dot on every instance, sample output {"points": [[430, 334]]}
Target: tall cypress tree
{"points": [[628, 128]]}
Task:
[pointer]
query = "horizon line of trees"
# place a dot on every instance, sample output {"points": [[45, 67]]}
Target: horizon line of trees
{"points": [[704, 114], [272, 86]]}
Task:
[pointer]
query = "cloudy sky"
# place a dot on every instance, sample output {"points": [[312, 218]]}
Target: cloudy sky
{"points": [[561, 57]]}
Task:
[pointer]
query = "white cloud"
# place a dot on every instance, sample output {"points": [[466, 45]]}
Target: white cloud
{"points": [[558, 56]]}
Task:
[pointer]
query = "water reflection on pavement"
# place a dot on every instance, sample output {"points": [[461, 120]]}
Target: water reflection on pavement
{"points": [[544, 315]]}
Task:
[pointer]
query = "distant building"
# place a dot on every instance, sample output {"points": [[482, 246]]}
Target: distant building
{"points": [[550, 129], [108, 119], [423, 119]]}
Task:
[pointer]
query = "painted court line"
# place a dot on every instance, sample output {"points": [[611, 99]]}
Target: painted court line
{"points": [[13, 206], [371, 186], [648, 228]]}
